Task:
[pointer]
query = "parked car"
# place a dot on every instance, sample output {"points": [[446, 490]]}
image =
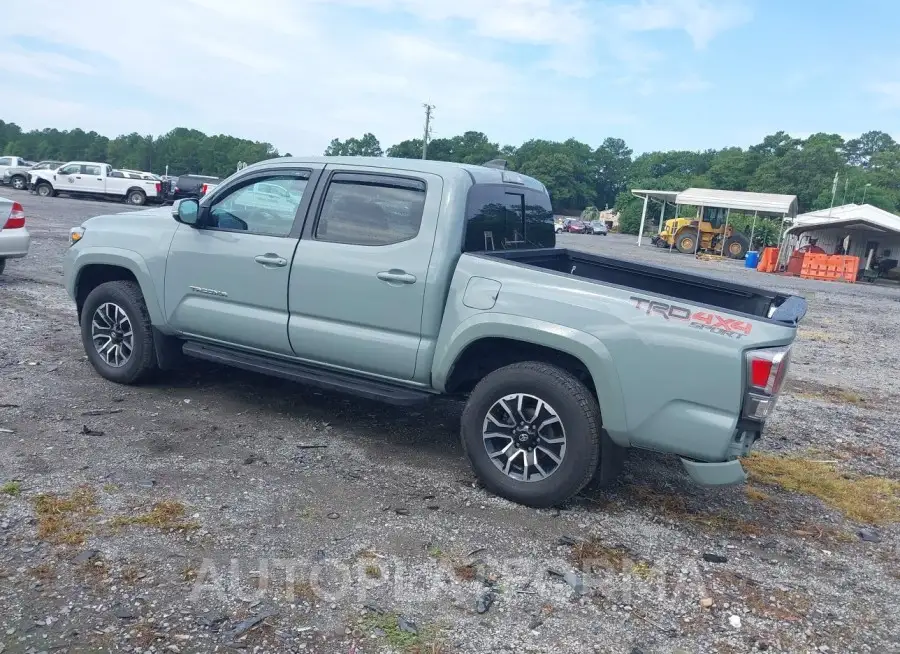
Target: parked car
{"points": [[576, 227], [7, 162], [14, 238], [95, 180], [565, 357], [596, 227], [17, 177], [193, 186]]}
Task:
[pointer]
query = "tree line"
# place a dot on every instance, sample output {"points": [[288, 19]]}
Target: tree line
{"points": [[577, 174]]}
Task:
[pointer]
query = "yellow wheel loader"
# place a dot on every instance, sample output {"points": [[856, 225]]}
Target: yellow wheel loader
{"points": [[716, 237]]}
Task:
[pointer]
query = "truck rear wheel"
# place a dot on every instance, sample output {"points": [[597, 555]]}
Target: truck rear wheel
{"points": [[136, 198], [686, 242], [531, 431], [117, 333]]}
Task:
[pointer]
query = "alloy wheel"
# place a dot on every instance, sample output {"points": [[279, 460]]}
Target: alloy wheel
{"points": [[524, 437], [112, 334]]}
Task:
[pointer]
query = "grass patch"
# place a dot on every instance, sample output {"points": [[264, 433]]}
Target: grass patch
{"points": [[167, 515], [677, 508], [755, 495], [373, 571], [11, 488], [62, 519], [435, 552], [592, 554], [815, 335], [465, 571], [872, 500], [303, 590], [425, 641]]}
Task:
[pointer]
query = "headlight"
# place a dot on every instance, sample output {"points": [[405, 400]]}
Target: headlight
{"points": [[75, 235]]}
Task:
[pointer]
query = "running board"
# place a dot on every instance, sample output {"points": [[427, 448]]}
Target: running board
{"points": [[307, 374]]}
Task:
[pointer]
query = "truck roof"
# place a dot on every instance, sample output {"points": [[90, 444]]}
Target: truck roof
{"points": [[478, 174]]}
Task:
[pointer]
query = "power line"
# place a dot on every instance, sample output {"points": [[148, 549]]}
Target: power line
{"points": [[428, 109]]}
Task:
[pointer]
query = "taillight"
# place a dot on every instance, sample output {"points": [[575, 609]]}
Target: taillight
{"points": [[204, 189], [158, 187], [16, 218], [766, 371]]}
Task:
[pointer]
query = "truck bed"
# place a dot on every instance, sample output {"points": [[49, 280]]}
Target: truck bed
{"points": [[757, 303]]}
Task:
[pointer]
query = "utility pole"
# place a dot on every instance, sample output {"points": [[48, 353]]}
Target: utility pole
{"points": [[833, 192], [428, 109]]}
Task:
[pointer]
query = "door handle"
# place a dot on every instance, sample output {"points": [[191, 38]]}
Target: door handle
{"points": [[271, 260], [395, 277]]}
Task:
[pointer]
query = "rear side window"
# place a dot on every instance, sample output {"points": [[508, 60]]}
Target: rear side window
{"points": [[506, 217], [90, 170], [371, 210]]}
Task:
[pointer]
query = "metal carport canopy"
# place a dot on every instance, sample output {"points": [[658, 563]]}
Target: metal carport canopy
{"points": [[772, 203]]}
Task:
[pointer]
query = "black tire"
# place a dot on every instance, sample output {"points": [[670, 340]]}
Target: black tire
{"points": [[136, 198], [682, 243], [732, 244], [2, 265], [18, 182], [44, 190], [578, 412], [142, 362]]}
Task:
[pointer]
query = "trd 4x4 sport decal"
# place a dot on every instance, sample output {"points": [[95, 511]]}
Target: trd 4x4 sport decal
{"points": [[711, 322]]}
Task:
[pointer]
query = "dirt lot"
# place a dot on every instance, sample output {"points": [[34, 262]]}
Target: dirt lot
{"points": [[217, 509]]}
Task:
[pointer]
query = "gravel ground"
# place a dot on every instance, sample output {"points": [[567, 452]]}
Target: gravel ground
{"points": [[219, 510]]}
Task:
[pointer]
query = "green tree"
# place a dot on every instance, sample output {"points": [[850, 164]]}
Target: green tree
{"points": [[367, 146], [613, 166], [410, 149]]}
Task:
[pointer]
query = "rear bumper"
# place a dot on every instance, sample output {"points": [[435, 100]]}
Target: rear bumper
{"points": [[726, 473], [14, 243]]}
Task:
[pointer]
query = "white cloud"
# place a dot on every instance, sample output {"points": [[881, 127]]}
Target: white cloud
{"points": [[300, 73], [703, 20], [888, 92]]}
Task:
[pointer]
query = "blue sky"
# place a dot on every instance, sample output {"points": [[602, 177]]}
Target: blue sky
{"points": [[662, 74]]}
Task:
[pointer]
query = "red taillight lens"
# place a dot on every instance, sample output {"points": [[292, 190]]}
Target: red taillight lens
{"points": [[158, 187], [760, 370], [16, 218], [767, 369], [204, 189]]}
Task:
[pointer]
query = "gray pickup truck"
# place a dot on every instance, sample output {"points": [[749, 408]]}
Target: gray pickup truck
{"points": [[399, 280]]}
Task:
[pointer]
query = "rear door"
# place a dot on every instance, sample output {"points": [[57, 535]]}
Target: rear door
{"points": [[227, 280], [358, 279]]}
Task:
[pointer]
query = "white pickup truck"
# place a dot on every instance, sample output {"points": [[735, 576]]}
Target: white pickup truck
{"points": [[95, 180]]}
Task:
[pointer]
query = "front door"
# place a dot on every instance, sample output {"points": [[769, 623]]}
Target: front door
{"points": [[91, 179], [227, 279], [358, 279]]}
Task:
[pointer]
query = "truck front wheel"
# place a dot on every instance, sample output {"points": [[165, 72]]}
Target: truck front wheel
{"points": [[531, 431], [117, 333], [44, 190]]}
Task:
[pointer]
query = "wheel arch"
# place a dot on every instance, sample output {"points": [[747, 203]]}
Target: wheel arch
{"points": [[111, 264], [489, 341]]}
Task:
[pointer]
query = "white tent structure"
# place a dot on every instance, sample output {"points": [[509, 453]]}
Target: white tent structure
{"points": [[859, 230], [761, 204]]}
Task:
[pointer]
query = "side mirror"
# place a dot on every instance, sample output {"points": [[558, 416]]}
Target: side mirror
{"points": [[186, 211]]}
